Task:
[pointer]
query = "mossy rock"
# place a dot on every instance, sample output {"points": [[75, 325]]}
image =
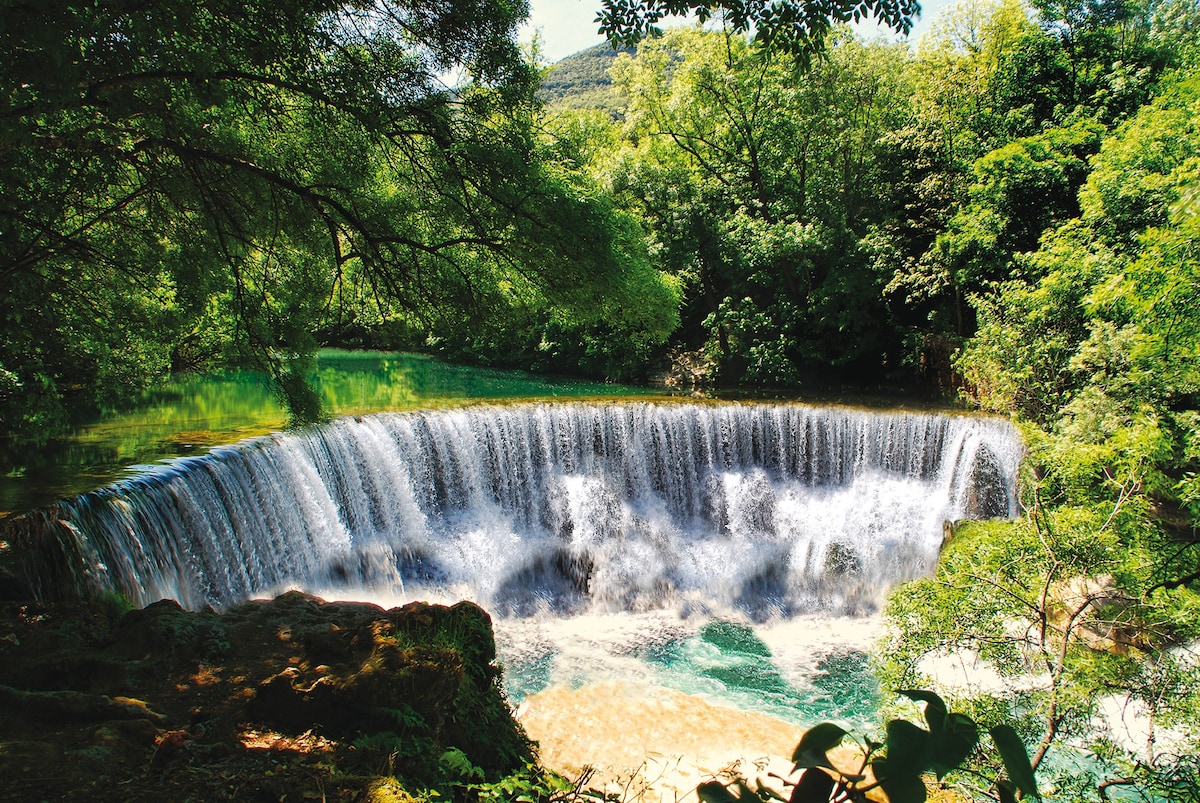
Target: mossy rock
{"points": [[164, 631], [388, 790], [266, 697], [420, 673]]}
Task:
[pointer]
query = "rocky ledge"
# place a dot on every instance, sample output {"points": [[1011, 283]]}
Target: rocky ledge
{"points": [[289, 699]]}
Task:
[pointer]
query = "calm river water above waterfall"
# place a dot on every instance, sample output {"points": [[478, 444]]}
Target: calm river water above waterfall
{"points": [[737, 551], [194, 413]]}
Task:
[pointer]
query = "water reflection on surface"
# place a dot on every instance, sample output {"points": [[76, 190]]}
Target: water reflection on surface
{"points": [[193, 413]]}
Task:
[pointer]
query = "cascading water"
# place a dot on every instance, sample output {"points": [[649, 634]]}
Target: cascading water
{"points": [[659, 527], [770, 509]]}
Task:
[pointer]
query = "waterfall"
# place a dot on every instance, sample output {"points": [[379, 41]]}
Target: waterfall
{"points": [[771, 509]]}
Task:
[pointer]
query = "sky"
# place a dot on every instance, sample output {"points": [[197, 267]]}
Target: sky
{"points": [[567, 26]]}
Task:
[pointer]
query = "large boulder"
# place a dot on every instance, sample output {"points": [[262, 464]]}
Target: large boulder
{"points": [[253, 703]]}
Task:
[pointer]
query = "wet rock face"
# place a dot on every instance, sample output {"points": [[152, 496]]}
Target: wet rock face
{"points": [[987, 498], [162, 698]]}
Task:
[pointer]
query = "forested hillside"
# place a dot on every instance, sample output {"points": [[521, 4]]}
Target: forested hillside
{"points": [[582, 81]]}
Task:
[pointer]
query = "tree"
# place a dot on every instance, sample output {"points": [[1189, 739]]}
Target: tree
{"points": [[770, 170], [1044, 616], [1093, 34], [1120, 275], [1084, 601], [1174, 24], [1020, 190], [797, 27], [927, 171], [271, 172]]}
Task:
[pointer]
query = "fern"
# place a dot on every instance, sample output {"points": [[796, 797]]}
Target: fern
{"points": [[456, 764]]}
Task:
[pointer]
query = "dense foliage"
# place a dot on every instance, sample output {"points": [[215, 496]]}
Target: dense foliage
{"points": [[895, 766], [1084, 607], [836, 219], [797, 27], [1009, 210], [760, 182], [181, 182]]}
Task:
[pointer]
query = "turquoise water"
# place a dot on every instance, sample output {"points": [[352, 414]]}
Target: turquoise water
{"points": [[193, 413], [805, 670], [729, 661]]}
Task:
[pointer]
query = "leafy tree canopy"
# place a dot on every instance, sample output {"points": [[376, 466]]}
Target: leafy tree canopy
{"points": [[183, 180], [798, 27]]}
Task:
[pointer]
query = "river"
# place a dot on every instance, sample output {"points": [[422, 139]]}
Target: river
{"points": [[669, 553]]}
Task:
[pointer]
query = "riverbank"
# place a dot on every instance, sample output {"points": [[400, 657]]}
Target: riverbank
{"points": [[292, 699]]}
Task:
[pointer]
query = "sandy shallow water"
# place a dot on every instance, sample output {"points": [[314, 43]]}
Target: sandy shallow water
{"points": [[608, 726]]}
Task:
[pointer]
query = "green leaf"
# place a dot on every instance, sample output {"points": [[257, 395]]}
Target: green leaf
{"points": [[950, 747], [907, 748], [904, 788], [1006, 792], [816, 786], [1016, 760], [815, 743], [714, 792], [558, 783], [935, 708], [455, 762]]}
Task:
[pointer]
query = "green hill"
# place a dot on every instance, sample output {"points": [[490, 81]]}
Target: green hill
{"points": [[581, 81]]}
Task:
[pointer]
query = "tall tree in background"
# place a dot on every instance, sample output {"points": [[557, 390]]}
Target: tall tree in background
{"points": [[758, 175], [1005, 120]]}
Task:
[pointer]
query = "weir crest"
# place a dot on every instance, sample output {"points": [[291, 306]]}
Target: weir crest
{"points": [[770, 509]]}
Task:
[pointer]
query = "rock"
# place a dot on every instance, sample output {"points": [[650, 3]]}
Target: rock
{"points": [[987, 497], [168, 746], [55, 647], [388, 790], [422, 670], [164, 632], [127, 741], [283, 700], [71, 706], [606, 726], [13, 586], [266, 700]]}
